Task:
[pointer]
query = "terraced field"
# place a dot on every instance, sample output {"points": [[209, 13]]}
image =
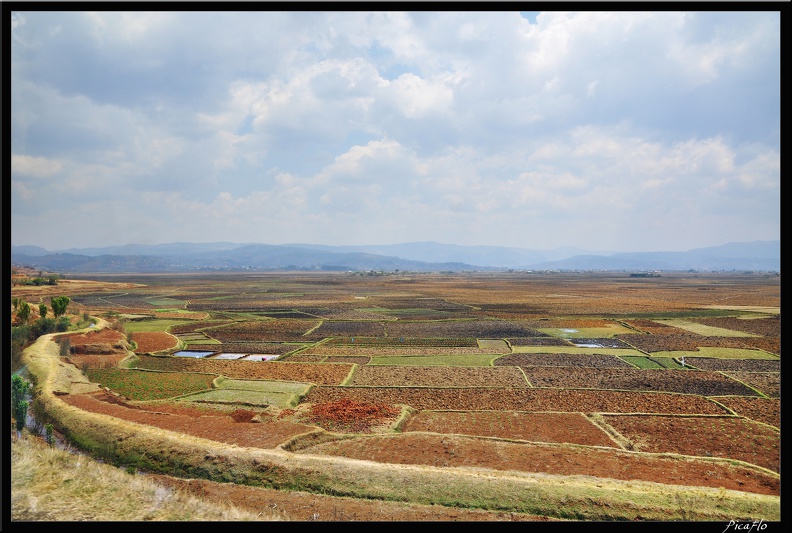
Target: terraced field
{"points": [[571, 375]]}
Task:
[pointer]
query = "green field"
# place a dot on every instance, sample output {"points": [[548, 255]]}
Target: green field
{"points": [[147, 385], [244, 397], [620, 352], [164, 302], [159, 324], [653, 362], [258, 385], [435, 360], [719, 353], [701, 329]]}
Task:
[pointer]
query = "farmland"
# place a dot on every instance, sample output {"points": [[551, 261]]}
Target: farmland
{"points": [[603, 380]]}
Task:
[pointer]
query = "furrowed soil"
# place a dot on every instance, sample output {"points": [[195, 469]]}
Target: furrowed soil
{"points": [[715, 425], [153, 341], [452, 449]]}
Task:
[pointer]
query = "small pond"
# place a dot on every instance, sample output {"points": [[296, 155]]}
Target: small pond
{"points": [[229, 356], [192, 353], [260, 357]]}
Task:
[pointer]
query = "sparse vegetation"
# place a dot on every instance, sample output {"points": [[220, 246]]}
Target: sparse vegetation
{"points": [[501, 390], [54, 485]]}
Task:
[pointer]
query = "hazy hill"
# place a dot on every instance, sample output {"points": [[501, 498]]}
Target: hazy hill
{"points": [[417, 256]]}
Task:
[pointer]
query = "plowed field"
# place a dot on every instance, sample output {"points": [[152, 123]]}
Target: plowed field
{"points": [[703, 437], [562, 359], [714, 423], [323, 373], [572, 428], [685, 382], [417, 376], [153, 341], [765, 410], [457, 451], [534, 400], [438, 450]]}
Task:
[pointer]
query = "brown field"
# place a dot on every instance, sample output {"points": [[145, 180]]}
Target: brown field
{"points": [[765, 410], [271, 348], [323, 374], [105, 336], [715, 425], [561, 359], [519, 399], [738, 365], [703, 437], [686, 382], [573, 428], [459, 451], [375, 351], [658, 342], [767, 327], [153, 341], [416, 376], [448, 449], [768, 383]]}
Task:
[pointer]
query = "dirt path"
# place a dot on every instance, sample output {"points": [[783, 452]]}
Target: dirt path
{"points": [[303, 506]]}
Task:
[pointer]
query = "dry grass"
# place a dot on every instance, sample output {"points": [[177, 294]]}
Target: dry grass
{"points": [[49, 484]]}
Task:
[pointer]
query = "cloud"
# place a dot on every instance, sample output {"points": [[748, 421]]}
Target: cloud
{"points": [[39, 167], [373, 126]]}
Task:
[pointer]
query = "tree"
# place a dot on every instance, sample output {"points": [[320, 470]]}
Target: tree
{"points": [[42, 326], [19, 404], [59, 305], [20, 413], [24, 312], [63, 324], [43, 310], [65, 346]]}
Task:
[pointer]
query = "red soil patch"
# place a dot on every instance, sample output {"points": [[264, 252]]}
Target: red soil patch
{"points": [[765, 410], [439, 450], [572, 428], [103, 342], [153, 341], [460, 451], [438, 376], [96, 361], [204, 423], [319, 373], [103, 336], [348, 415], [728, 437], [534, 400], [768, 383], [310, 507], [686, 382]]}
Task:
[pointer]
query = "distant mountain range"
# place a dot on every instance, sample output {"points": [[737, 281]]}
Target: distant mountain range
{"points": [[762, 256]]}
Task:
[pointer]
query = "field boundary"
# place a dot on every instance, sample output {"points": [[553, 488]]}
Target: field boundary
{"points": [[164, 451]]}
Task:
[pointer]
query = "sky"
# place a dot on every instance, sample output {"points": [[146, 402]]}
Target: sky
{"points": [[602, 130]]}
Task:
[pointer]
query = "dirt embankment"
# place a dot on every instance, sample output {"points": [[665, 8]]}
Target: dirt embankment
{"points": [[172, 442]]}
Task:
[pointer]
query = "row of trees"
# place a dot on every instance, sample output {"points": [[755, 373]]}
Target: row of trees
{"points": [[27, 331], [59, 305], [52, 280], [20, 391]]}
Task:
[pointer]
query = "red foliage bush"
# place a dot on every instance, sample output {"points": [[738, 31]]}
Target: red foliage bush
{"points": [[348, 415]]}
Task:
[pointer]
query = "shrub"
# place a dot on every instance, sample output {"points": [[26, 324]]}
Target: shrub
{"points": [[65, 347], [19, 404], [42, 326]]}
